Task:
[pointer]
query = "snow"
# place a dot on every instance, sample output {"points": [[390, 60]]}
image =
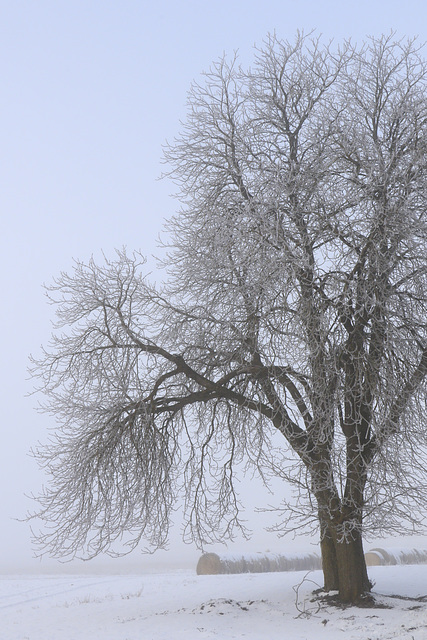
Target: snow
{"points": [[182, 605]]}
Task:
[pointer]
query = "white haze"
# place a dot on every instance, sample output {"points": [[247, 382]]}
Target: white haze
{"points": [[91, 90]]}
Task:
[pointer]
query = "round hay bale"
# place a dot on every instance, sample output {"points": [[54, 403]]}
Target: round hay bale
{"points": [[373, 558], [209, 564], [391, 557], [383, 557]]}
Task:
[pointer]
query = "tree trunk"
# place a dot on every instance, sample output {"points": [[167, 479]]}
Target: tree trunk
{"points": [[352, 572], [344, 565], [329, 562]]}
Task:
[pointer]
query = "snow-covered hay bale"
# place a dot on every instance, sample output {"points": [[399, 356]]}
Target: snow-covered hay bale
{"points": [[209, 565], [391, 557], [213, 564]]}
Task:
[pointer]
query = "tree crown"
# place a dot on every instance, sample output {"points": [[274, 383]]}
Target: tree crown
{"points": [[291, 332]]}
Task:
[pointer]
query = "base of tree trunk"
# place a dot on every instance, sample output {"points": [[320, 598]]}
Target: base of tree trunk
{"points": [[329, 563], [352, 572], [344, 567]]}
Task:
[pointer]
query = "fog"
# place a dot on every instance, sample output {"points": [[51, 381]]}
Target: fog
{"points": [[91, 91]]}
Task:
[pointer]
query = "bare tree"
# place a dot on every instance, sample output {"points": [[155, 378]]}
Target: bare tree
{"points": [[290, 335]]}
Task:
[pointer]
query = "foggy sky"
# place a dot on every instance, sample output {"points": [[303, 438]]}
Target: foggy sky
{"points": [[90, 90]]}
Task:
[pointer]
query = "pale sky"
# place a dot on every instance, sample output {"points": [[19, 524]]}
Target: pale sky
{"points": [[90, 90]]}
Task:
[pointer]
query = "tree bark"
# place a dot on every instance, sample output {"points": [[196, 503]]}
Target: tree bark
{"points": [[329, 562], [353, 578], [344, 565]]}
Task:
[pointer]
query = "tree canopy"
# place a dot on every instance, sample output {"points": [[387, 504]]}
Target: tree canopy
{"points": [[290, 334]]}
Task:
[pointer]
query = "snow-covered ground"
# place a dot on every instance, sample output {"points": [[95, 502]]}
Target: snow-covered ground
{"points": [[184, 606]]}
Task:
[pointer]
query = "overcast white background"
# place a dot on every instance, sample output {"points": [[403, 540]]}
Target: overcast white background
{"points": [[89, 92]]}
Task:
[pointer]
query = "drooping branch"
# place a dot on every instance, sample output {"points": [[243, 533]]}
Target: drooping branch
{"points": [[295, 301]]}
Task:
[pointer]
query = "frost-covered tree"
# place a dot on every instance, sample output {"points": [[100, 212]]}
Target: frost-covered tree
{"points": [[290, 335]]}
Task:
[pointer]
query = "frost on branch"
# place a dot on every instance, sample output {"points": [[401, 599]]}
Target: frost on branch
{"points": [[290, 336]]}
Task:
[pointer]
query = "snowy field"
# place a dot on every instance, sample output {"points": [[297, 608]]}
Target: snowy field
{"points": [[182, 605]]}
